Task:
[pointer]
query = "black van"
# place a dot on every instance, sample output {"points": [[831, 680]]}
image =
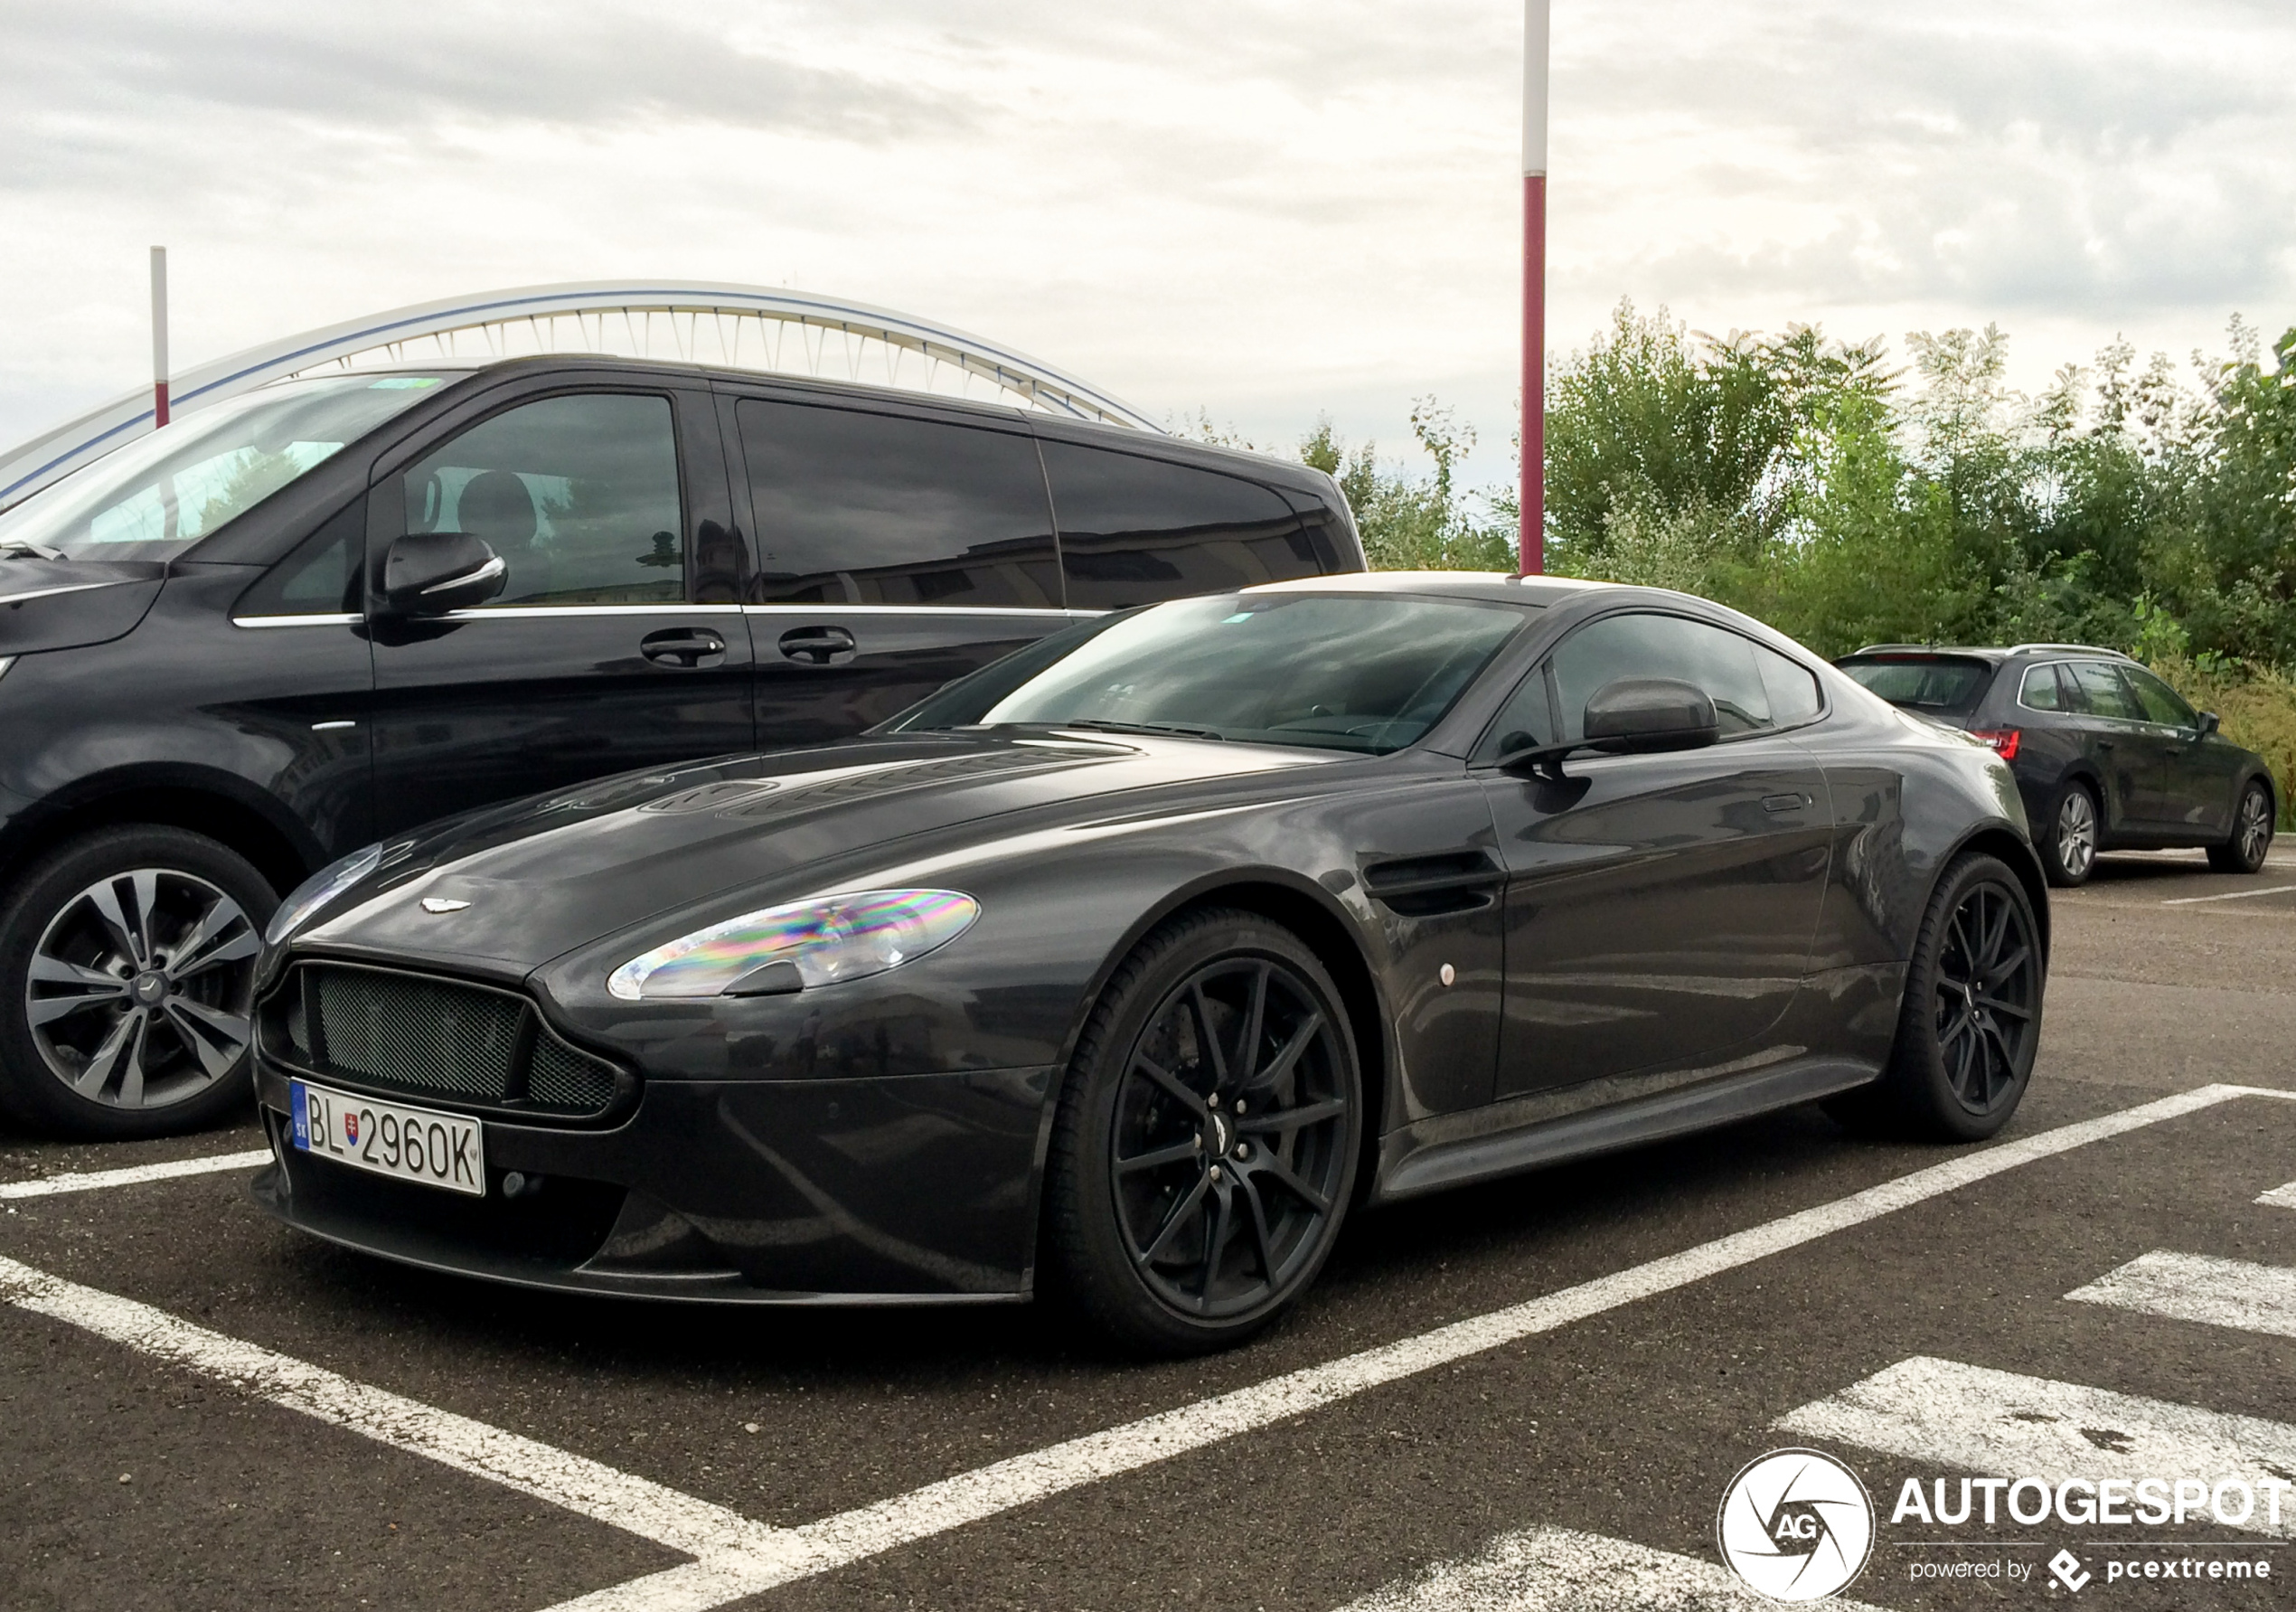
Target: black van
{"points": [[319, 614]]}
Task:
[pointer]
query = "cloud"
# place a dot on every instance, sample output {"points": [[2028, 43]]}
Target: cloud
{"points": [[1265, 207]]}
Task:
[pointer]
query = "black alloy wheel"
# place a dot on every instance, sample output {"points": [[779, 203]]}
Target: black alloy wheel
{"points": [[1971, 1020], [2069, 842], [128, 960], [1207, 1139], [2251, 833]]}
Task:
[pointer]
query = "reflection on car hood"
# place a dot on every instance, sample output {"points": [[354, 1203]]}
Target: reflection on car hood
{"points": [[65, 604], [546, 875]]}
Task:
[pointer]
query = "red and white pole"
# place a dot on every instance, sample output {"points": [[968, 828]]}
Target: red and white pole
{"points": [[1533, 536], [159, 337]]}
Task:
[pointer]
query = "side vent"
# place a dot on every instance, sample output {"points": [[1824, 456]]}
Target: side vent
{"points": [[1429, 886]]}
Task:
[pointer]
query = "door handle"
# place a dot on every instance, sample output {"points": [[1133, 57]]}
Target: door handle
{"points": [[686, 648], [1784, 803], [2105, 744], [819, 646]]}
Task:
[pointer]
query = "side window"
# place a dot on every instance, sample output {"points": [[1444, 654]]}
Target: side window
{"points": [[878, 509], [2040, 690], [1650, 646], [2162, 704], [2103, 693], [1792, 691], [1527, 720], [1136, 530], [320, 577], [578, 493]]}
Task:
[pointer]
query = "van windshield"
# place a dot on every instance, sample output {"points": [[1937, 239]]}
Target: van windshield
{"points": [[161, 494]]}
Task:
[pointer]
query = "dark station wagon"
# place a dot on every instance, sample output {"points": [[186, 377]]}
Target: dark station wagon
{"points": [[332, 609], [2107, 756]]}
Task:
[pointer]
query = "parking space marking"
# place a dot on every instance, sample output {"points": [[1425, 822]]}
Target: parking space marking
{"points": [[973, 1496], [1561, 1569], [2281, 1197], [90, 1180], [2237, 895], [2201, 1288], [635, 1505], [1942, 1411]]}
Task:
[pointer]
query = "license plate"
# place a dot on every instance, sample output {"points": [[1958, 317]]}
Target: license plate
{"points": [[441, 1150]]}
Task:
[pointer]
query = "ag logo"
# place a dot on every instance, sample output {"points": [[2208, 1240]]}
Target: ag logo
{"points": [[1797, 1525]]}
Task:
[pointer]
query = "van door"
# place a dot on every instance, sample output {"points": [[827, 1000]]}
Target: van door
{"points": [[601, 653], [896, 551]]}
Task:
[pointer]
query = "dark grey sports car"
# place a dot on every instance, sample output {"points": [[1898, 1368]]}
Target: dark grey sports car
{"points": [[1124, 967]]}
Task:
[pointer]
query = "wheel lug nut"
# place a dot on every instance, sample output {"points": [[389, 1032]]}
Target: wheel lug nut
{"points": [[1243, 1150], [1215, 1171], [1213, 1099], [1239, 1105]]}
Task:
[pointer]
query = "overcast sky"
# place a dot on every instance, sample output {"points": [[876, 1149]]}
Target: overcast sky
{"points": [[1267, 210]]}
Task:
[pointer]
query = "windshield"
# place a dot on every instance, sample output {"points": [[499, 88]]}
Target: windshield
{"points": [[1354, 672], [161, 494], [1924, 682]]}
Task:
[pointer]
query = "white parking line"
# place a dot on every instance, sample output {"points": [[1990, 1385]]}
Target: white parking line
{"points": [[632, 1503], [739, 1558], [2200, 1287], [1560, 1570], [135, 1175], [870, 1531], [1952, 1414], [2237, 895], [2281, 1197]]}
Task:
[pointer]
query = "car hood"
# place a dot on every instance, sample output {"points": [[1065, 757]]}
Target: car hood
{"points": [[528, 882], [65, 604]]}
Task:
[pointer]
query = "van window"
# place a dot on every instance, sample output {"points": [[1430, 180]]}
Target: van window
{"points": [[879, 509], [1136, 530], [321, 576], [578, 493]]}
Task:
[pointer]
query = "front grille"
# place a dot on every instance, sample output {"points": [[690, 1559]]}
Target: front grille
{"points": [[434, 1037]]}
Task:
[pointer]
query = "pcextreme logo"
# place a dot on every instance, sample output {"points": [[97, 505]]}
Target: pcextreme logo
{"points": [[1796, 1525]]}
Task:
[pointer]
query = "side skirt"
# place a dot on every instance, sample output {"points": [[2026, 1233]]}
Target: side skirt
{"points": [[1435, 1165]]}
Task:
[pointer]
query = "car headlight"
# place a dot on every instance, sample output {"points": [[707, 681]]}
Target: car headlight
{"points": [[319, 890], [806, 943]]}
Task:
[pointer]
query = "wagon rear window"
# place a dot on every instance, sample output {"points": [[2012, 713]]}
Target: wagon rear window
{"points": [[1939, 682]]}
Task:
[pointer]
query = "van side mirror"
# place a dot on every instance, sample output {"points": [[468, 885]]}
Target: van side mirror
{"points": [[1636, 715], [429, 573]]}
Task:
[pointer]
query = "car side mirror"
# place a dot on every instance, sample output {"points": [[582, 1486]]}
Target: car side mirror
{"points": [[2209, 724], [1637, 715], [429, 573]]}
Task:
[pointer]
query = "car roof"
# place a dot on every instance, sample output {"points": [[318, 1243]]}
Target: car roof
{"points": [[1987, 652], [1497, 587]]}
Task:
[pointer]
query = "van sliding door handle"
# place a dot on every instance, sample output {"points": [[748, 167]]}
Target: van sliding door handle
{"points": [[818, 645]]}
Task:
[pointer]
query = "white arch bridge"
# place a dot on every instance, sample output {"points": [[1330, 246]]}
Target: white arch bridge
{"points": [[748, 327]]}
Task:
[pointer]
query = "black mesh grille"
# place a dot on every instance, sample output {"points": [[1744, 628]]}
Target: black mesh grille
{"points": [[559, 1077], [427, 1036], [401, 1029]]}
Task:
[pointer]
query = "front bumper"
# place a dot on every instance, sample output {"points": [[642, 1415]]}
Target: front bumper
{"points": [[883, 1189]]}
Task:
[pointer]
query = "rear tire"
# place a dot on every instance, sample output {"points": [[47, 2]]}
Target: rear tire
{"points": [[126, 978], [2068, 840], [1205, 1146], [2251, 833], [1971, 1020]]}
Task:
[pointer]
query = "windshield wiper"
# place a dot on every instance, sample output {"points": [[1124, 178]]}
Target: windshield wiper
{"points": [[24, 548], [1095, 724]]}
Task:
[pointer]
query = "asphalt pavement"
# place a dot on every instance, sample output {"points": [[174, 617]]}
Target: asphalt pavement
{"points": [[1532, 1394]]}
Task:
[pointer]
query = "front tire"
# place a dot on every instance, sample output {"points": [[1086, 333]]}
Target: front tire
{"points": [[2068, 845], [126, 982], [1204, 1149], [1971, 1020], [2251, 833]]}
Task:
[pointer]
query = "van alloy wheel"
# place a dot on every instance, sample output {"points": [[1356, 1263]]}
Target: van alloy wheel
{"points": [[138, 993]]}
